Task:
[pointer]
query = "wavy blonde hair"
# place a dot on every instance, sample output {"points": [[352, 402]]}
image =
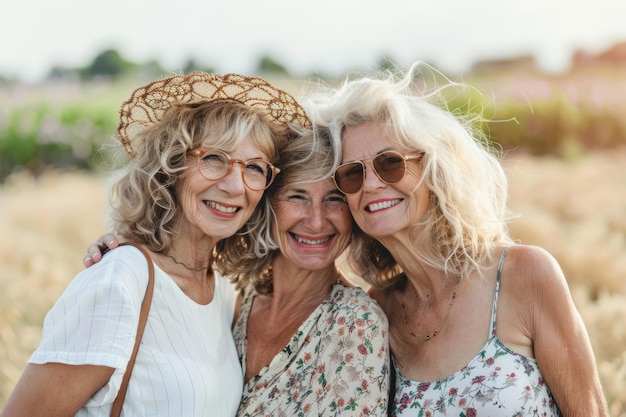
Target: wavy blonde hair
{"points": [[467, 214], [143, 201]]}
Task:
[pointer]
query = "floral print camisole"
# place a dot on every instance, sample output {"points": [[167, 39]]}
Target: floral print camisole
{"points": [[496, 382]]}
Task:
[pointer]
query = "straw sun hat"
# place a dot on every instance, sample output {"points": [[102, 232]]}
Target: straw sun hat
{"points": [[147, 104]]}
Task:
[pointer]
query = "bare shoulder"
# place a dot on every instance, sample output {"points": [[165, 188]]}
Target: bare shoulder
{"points": [[534, 296], [533, 268], [531, 256], [534, 286], [541, 321]]}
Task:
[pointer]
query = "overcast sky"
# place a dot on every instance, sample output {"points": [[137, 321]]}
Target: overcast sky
{"points": [[329, 36]]}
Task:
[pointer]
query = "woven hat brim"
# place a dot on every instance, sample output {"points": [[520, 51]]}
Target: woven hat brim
{"points": [[147, 104]]}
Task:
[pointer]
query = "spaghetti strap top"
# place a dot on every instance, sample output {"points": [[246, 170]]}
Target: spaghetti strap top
{"points": [[496, 382]]}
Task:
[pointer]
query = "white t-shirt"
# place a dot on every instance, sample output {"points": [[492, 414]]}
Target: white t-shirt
{"points": [[187, 363]]}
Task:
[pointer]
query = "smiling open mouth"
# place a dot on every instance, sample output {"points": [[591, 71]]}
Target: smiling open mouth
{"points": [[309, 241], [221, 208], [382, 205]]}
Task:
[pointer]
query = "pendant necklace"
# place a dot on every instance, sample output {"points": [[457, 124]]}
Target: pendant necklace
{"points": [[429, 337]]}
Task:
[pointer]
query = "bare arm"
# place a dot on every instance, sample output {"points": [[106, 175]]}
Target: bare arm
{"points": [[54, 389], [99, 248], [560, 340]]}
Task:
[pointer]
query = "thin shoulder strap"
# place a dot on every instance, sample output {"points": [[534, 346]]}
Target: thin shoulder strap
{"points": [[494, 309], [501, 262], [143, 317]]}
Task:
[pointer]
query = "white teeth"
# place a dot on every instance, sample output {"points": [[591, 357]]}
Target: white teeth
{"points": [[221, 208], [311, 242], [383, 205]]}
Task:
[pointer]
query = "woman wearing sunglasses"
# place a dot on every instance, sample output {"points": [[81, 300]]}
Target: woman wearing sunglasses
{"points": [[479, 325], [309, 342]]}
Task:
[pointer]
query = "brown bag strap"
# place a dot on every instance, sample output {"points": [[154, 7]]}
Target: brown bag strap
{"points": [[143, 317]]}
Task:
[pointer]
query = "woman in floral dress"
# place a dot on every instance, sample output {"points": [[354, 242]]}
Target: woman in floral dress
{"points": [[309, 343]]}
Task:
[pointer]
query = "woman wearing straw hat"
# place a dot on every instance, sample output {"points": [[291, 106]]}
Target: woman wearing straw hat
{"points": [[202, 150], [309, 342]]}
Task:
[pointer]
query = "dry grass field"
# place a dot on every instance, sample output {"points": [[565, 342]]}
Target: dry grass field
{"points": [[575, 209]]}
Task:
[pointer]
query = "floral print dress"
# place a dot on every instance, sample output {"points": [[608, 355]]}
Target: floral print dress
{"points": [[337, 363], [497, 382]]}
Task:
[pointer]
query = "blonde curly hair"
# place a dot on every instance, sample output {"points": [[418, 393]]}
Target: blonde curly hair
{"points": [[143, 201]]}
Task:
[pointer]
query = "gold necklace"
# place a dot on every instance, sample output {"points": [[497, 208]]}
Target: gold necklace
{"points": [[429, 337], [204, 268]]}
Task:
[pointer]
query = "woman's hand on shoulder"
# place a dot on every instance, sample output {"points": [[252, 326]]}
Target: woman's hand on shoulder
{"points": [[100, 247]]}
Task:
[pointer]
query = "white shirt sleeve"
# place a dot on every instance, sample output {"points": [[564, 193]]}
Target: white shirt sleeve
{"points": [[187, 364], [95, 319]]}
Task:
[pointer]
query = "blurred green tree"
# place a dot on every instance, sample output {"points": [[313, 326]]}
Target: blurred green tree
{"points": [[193, 65], [109, 64], [268, 64]]}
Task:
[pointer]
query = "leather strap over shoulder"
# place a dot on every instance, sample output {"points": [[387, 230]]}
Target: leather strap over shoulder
{"points": [[143, 318]]}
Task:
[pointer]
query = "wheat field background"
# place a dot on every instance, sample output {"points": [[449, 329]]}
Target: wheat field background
{"points": [[576, 209]]}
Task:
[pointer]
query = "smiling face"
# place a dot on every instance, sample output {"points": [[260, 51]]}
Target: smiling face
{"points": [[382, 209], [313, 224], [218, 208]]}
